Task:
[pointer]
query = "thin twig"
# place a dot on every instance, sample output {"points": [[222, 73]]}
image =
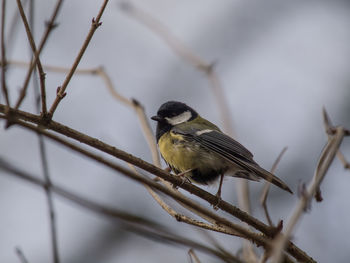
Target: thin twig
{"points": [[21, 255], [61, 91], [266, 188], [193, 256], [42, 149], [49, 26], [134, 104], [97, 144], [29, 28], [216, 244], [326, 158], [185, 219], [140, 112], [3, 55], [10, 38], [328, 128]]}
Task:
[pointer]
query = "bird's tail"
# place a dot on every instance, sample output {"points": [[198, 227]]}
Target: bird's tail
{"points": [[271, 178]]}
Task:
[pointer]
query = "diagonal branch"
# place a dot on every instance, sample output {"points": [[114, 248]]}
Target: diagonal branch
{"points": [[61, 91], [185, 219], [97, 144], [33, 48]]}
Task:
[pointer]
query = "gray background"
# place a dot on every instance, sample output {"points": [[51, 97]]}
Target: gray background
{"points": [[279, 63]]}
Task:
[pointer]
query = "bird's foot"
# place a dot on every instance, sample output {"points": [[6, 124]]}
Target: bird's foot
{"points": [[218, 196]]}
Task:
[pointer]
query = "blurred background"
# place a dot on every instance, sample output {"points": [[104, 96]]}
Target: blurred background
{"points": [[279, 63]]}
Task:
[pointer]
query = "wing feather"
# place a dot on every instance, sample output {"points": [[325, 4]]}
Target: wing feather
{"points": [[231, 150]]}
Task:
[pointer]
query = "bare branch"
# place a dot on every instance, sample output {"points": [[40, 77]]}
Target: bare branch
{"points": [[95, 23], [33, 48], [193, 256], [130, 222], [258, 239], [329, 130], [49, 26], [42, 149], [93, 142], [3, 55], [327, 157]]}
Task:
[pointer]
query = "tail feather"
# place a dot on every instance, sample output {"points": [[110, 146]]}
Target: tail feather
{"points": [[272, 179], [252, 171]]}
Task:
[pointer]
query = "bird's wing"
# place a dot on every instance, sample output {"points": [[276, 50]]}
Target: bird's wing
{"points": [[230, 149], [216, 141]]}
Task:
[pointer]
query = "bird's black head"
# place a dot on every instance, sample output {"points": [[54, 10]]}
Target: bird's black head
{"points": [[172, 113]]}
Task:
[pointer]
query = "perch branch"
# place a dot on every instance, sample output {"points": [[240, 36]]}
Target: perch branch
{"points": [[95, 143], [256, 238], [208, 68]]}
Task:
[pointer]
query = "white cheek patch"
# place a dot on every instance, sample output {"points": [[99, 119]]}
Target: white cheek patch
{"points": [[203, 131], [183, 117]]}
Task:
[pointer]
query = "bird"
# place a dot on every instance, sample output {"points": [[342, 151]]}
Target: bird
{"points": [[197, 149]]}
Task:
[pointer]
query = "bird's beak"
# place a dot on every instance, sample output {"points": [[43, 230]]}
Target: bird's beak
{"points": [[157, 118]]}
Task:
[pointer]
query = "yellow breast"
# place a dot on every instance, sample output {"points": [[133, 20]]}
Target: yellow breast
{"points": [[177, 153]]}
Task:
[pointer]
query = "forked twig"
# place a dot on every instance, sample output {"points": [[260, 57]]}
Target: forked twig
{"points": [[328, 128], [33, 48], [49, 26]]}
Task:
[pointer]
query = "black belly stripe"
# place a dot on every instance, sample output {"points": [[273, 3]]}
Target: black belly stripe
{"points": [[204, 178]]}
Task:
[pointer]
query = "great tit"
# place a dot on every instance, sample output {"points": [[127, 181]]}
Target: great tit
{"points": [[196, 148]]}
